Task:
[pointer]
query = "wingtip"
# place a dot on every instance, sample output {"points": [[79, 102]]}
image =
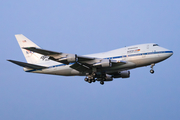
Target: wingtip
{"points": [[11, 60]]}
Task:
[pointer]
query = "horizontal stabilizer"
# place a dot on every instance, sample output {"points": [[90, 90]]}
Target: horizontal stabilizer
{"points": [[27, 65]]}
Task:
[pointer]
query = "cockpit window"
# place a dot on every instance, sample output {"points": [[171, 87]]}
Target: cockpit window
{"points": [[155, 45]]}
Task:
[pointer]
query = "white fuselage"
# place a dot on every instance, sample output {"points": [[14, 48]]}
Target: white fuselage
{"points": [[135, 56]]}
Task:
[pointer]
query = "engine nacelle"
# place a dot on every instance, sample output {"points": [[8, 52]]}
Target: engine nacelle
{"points": [[108, 77], [122, 74], [69, 58], [125, 74], [104, 63], [72, 58]]}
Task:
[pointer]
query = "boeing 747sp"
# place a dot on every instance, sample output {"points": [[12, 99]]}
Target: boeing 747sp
{"points": [[96, 67]]}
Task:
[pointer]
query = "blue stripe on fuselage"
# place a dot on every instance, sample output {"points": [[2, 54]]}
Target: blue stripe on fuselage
{"points": [[132, 55]]}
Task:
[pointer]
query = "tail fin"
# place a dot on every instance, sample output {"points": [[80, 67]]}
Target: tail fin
{"points": [[30, 56]]}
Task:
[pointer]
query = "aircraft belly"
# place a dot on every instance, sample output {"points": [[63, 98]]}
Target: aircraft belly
{"points": [[61, 70], [66, 71], [148, 59]]}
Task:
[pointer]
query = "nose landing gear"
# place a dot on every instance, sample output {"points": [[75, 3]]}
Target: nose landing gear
{"points": [[152, 71]]}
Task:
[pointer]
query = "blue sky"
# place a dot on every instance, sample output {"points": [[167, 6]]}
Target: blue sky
{"points": [[85, 27]]}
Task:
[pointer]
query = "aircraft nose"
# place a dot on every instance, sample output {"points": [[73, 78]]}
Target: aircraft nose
{"points": [[169, 53]]}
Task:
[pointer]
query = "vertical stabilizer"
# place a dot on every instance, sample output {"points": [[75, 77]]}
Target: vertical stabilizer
{"points": [[30, 56]]}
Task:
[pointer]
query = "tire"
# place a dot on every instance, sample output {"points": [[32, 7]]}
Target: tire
{"points": [[85, 79], [102, 82], [151, 71], [89, 81]]}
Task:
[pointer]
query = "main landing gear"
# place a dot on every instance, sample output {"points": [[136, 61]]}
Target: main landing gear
{"points": [[90, 78], [93, 78], [152, 71]]}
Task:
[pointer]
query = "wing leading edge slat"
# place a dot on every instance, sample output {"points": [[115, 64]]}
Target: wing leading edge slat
{"points": [[41, 51], [56, 55]]}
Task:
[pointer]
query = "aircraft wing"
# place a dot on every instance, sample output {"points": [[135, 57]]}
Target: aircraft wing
{"points": [[59, 56], [42, 51], [80, 67], [27, 65], [82, 63]]}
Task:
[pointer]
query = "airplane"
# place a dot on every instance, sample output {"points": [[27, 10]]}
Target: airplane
{"points": [[95, 67]]}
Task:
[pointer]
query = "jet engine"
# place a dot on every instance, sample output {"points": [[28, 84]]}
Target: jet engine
{"points": [[72, 58], [122, 74], [69, 58], [108, 77], [104, 63]]}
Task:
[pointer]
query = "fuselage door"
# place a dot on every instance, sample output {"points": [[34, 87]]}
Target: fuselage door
{"points": [[124, 55], [147, 46]]}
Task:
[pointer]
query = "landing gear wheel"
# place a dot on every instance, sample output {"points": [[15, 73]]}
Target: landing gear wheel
{"points": [[89, 81], [102, 82], [151, 71], [93, 80], [93, 74], [85, 79]]}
